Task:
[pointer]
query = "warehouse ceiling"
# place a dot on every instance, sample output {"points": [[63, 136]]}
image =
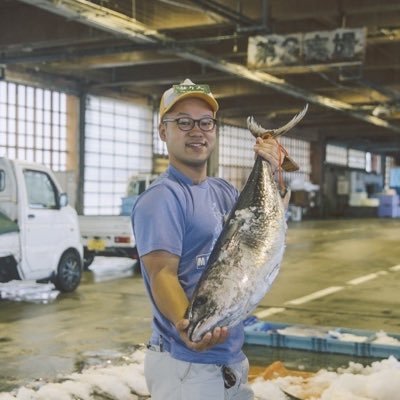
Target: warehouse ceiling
{"points": [[138, 48]]}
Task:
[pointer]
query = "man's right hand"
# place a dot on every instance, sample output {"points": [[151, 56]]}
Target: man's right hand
{"points": [[210, 339]]}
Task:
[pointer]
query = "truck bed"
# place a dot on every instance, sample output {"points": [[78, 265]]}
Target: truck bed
{"points": [[100, 232]]}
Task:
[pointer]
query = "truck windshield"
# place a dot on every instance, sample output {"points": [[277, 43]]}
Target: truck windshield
{"points": [[40, 189]]}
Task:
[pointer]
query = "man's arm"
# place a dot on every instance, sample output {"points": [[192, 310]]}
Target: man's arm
{"points": [[168, 294], [171, 300]]}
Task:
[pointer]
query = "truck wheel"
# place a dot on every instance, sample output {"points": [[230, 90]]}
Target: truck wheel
{"points": [[69, 272], [88, 257]]}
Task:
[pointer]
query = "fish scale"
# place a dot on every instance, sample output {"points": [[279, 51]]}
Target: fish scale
{"points": [[246, 257]]}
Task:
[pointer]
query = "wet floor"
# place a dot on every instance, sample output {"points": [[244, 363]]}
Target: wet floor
{"points": [[105, 319]]}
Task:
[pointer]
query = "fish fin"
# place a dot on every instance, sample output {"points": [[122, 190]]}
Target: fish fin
{"points": [[289, 165]]}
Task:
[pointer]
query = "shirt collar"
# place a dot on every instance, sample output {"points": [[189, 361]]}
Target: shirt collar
{"points": [[185, 179]]}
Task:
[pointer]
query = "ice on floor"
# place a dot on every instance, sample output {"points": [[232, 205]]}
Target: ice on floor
{"points": [[103, 269], [109, 268], [378, 381], [28, 290]]}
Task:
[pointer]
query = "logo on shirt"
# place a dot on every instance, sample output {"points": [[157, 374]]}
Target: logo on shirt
{"points": [[201, 260]]}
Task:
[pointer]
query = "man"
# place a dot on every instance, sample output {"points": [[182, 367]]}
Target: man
{"points": [[176, 223]]}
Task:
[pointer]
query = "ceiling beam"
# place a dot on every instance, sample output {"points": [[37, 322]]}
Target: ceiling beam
{"points": [[122, 26], [225, 12]]}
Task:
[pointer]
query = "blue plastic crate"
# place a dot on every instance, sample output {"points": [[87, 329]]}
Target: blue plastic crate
{"points": [[392, 211], [389, 206], [127, 204], [320, 339], [386, 200], [384, 350]]}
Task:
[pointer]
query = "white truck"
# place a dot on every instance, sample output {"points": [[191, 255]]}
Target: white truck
{"points": [[111, 235], [39, 232], [106, 235]]}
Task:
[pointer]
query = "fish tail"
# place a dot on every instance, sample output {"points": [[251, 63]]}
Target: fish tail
{"points": [[286, 163], [258, 131]]}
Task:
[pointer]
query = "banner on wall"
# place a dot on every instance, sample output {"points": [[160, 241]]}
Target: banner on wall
{"points": [[319, 47]]}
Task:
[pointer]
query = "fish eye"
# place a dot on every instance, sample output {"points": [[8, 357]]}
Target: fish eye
{"points": [[199, 301]]}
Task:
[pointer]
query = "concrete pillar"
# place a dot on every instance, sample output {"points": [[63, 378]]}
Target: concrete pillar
{"points": [[72, 161], [317, 175]]}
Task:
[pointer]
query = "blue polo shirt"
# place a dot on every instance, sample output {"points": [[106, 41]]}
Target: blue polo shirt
{"points": [[185, 219]]}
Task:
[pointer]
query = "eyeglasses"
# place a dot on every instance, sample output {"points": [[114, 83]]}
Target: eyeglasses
{"points": [[186, 124]]}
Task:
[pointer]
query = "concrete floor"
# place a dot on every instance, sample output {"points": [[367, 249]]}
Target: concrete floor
{"points": [[339, 273]]}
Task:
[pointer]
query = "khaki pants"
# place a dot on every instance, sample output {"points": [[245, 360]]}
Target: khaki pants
{"points": [[171, 379]]}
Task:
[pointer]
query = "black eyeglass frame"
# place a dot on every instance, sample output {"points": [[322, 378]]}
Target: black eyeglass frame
{"points": [[193, 123]]}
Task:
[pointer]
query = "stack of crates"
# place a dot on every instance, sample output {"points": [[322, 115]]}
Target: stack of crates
{"points": [[389, 206]]}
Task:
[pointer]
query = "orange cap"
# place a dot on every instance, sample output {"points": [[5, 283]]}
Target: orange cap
{"points": [[184, 90]]}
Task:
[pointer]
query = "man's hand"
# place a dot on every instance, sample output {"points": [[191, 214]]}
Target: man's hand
{"points": [[270, 151], [210, 339]]}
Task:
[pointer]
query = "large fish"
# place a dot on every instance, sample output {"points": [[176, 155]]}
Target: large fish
{"points": [[246, 257]]}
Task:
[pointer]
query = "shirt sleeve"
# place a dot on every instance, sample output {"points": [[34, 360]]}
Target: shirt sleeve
{"points": [[158, 221]]}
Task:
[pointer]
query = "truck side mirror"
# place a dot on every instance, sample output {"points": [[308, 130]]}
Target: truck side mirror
{"points": [[63, 200]]}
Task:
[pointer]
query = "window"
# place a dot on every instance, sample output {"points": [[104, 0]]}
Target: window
{"points": [[352, 158], [299, 150], [389, 164], [118, 144], [236, 156], [159, 147], [33, 124], [336, 154], [357, 159], [40, 189]]}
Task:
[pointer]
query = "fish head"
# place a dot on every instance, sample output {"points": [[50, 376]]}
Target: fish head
{"points": [[202, 317]]}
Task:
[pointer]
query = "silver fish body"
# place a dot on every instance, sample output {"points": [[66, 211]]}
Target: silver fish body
{"points": [[247, 255]]}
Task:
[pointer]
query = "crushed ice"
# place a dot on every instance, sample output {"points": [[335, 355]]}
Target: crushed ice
{"points": [[125, 381]]}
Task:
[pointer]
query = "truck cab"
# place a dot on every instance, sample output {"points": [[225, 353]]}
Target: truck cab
{"points": [[46, 243]]}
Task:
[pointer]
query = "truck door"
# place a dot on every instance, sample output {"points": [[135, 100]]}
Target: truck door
{"points": [[44, 228]]}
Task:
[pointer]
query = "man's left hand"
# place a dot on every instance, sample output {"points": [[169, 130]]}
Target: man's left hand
{"points": [[270, 151]]}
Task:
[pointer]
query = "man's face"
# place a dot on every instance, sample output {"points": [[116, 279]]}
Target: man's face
{"points": [[189, 148]]}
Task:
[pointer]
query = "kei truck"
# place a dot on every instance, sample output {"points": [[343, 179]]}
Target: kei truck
{"points": [[39, 232]]}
